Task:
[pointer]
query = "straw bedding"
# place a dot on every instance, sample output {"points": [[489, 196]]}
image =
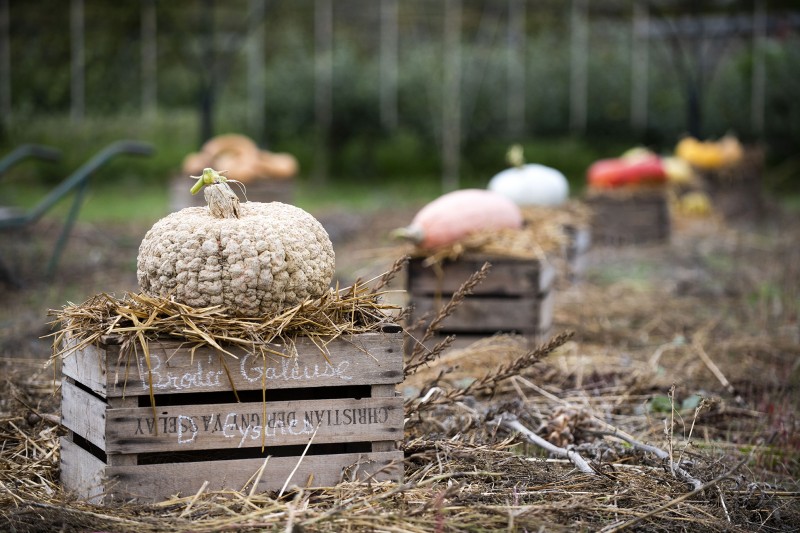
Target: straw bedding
{"points": [[471, 461]]}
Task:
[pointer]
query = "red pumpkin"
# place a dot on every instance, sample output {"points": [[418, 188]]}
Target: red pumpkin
{"points": [[610, 173]]}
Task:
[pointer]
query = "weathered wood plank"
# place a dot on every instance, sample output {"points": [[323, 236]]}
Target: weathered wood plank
{"points": [[81, 472], [159, 482], [580, 240], [546, 312], [88, 365], [83, 413], [364, 359], [490, 315], [383, 391], [508, 276], [244, 425]]}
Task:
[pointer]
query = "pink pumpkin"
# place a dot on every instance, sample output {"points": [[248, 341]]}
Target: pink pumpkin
{"points": [[457, 214]]}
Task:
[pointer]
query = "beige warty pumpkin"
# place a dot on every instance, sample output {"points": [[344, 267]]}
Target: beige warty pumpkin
{"points": [[269, 257]]}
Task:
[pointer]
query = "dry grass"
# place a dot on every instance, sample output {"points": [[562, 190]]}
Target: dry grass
{"points": [[616, 393], [137, 318]]}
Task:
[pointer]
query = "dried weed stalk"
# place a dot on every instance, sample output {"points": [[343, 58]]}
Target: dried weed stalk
{"points": [[420, 354], [438, 394]]}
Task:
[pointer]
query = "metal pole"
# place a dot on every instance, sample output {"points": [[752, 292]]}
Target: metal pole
{"points": [[388, 67], [579, 49], [759, 67], [516, 68], [5, 63], [149, 59], [323, 74], [639, 66], [77, 87], [256, 93], [451, 97]]}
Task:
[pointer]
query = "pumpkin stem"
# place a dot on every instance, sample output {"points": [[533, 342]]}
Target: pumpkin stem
{"points": [[515, 156], [208, 177], [409, 233], [222, 201]]}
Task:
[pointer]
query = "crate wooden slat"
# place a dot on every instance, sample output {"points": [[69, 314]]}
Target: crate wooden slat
{"points": [[516, 296], [79, 468], [508, 277], [490, 315], [176, 428], [578, 244], [342, 401], [620, 218], [174, 368]]}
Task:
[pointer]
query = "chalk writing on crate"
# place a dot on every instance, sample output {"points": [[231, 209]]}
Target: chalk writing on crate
{"points": [[248, 426], [206, 374]]}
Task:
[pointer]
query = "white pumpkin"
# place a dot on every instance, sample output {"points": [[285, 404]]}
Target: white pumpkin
{"points": [[531, 184]]}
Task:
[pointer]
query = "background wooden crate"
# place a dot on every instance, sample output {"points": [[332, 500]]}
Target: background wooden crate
{"points": [[345, 399], [516, 296], [737, 192], [262, 190], [579, 240], [621, 218]]}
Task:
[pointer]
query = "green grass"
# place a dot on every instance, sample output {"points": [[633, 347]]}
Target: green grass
{"points": [[389, 171], [120, 204], [129, 202], [363, 197]]}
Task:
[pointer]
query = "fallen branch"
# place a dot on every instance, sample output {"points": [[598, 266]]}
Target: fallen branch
{"points": [[510, 421], [658, 452]]}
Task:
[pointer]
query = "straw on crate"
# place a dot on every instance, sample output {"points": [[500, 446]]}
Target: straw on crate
{"points": [[139, 317], [136, 319]]}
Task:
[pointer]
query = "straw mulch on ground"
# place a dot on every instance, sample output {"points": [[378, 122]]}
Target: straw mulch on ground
{"points": [[668, 404]]}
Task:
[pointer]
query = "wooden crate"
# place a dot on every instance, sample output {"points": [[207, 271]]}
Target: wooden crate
{"points": [[579, 240], [262, 190], [737, 192], [515, 297], [117, 449], [629, 218]]}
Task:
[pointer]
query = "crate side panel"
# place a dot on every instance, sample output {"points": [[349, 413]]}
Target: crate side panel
{"points": [[87, 365], [81, 472], [84, 414], [507, 277], [364, 359], [159, 482], [477, 315], [546, 311], [239, 425], [580, 240]]}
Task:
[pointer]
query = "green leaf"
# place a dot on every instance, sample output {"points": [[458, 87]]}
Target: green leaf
{"points": [[660, 404], [691, 402]]}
